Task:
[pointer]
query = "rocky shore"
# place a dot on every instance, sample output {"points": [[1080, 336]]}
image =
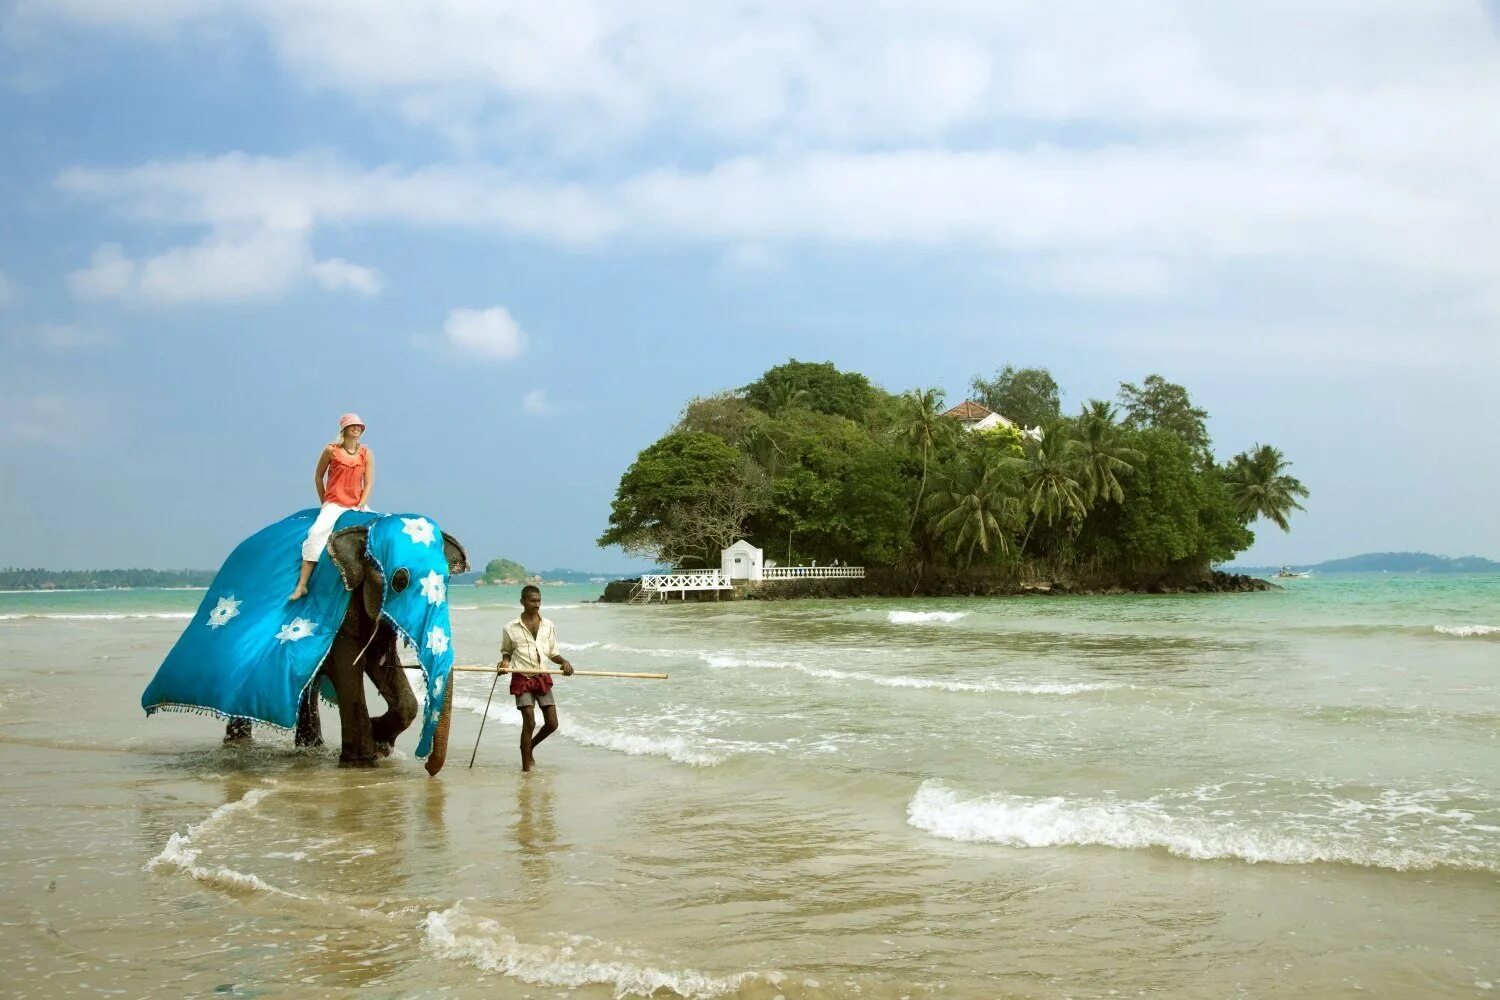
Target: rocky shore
{"points": [[893, 583]]}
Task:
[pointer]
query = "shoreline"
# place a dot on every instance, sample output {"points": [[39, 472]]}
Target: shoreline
{"points": [[890, 584]]}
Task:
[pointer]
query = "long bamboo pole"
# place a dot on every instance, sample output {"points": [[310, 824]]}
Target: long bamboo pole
{"points": [[479, 668]]}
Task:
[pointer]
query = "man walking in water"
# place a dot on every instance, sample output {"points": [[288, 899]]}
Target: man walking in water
{"points": [[529, 640]]}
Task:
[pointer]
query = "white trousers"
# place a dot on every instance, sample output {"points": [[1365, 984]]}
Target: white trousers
{"points": [[317, 535]]}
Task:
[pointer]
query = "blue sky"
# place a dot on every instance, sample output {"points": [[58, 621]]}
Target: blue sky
{"points": [[517, 237]]}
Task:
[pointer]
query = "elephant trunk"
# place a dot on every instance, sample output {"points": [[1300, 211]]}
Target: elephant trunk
{"points": [[439, 755]]}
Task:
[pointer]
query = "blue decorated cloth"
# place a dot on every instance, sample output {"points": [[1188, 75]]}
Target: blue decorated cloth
{"points": [[249, 653]]}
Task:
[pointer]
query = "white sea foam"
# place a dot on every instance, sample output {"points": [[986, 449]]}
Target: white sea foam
{"points": [[1467, 631], [726, 661], [160, 615], [924, 617], [181, 855], [1023, 821], [699, 752], [570, 962]]}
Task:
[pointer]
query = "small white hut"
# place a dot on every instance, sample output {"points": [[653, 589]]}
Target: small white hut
{"points": [[743, 561]]}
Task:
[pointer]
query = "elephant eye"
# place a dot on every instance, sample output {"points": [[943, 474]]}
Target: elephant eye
{"points": [[400, 579]]}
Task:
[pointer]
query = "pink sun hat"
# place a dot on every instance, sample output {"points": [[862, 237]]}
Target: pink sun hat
{"points": [[350, 419]]}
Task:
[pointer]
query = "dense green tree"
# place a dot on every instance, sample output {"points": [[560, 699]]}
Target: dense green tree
{"points": [[838, 494], [812, 463], [1175, 512], [1050, 479], [503, 569], [678, 473], [977, 509], [922, 428], [1259, 486], [724, 415], [820, 387], [1098, 448], [1161, 405], [1028, 396]]}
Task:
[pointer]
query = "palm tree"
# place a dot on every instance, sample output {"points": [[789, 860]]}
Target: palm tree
{"points": [[1259, 486], [784, 395], [1100, 455], [979, 509], [1051, 487], [922, 426]]}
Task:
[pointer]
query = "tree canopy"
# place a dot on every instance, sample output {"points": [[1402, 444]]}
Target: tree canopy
{"points": [[813, 463], [1028, 396]]}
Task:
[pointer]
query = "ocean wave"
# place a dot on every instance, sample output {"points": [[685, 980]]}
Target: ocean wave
{"points": [[1467, 631], [570, 963], [727, 661], [1023, 821], [924, 617], [180, 855], [704, 752], [101, 617]]}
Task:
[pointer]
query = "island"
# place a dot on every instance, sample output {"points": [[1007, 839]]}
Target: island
{"points": [[1003, 493]]}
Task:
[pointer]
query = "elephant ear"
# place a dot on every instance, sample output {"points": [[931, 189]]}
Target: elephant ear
{"points": [[373, 591], [458, 559], [346, 548]]}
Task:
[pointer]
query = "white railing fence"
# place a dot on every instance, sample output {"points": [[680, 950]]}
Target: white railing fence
{"points": [[698, 579], [813, 573]]}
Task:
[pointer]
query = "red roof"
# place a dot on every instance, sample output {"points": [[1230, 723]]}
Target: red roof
{"points": [[969, 410]]}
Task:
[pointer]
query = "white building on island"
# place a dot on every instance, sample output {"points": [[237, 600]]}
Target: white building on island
{"points": [[743, 561], [978, 417]]}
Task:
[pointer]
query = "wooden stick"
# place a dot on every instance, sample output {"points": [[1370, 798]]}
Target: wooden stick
{"points": [[479, 668]]}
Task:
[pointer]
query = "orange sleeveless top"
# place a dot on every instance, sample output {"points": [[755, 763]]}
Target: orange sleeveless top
{"points": [[344, 482]]}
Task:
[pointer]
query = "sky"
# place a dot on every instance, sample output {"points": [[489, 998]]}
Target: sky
{"points": [[518, 237]]}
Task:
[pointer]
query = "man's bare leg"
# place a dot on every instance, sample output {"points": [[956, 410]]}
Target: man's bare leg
{"points": [[300, 591], [528, 726], [549, 717]]}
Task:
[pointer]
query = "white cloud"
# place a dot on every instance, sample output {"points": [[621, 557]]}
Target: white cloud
{"points": [[1119, 149], [536, 403], [487, 333], [336, 273], [48, 419]]}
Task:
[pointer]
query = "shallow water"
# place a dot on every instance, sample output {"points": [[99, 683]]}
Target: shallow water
{"points": [[1251, 794]]}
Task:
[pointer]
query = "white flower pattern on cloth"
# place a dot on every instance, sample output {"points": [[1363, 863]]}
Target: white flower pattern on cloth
{"points": [[226, 609], [433, 588], [437, 641], [419, 529], [297, 628]]}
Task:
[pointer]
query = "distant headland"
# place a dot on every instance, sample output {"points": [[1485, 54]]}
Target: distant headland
{"points": [[101, 579], [1387, 562]]}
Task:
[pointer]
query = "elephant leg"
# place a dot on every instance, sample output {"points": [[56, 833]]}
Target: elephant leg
{"points": [[389, 678], [309, 722], [237, 731], [354, 718]]}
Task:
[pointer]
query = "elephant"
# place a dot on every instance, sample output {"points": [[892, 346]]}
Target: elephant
{"points": [[366, 646]]}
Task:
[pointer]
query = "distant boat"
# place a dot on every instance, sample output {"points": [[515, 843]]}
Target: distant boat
{"points": [[1286, 573]]}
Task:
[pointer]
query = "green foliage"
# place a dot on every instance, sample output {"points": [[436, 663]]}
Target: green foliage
{"points": [[1174, 511], [821, 388], [812, 463], [1161, 405], [838, 494], [977, 508], [503, 569], [676, 472], [1028, 396], [1000, 441], [1259, 486], [12, 578]]}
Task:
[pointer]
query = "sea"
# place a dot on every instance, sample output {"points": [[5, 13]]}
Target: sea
{"points": [[1293, 793]]}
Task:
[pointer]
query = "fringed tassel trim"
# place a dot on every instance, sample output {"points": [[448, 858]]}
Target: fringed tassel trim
{"points": [[172, 706]]}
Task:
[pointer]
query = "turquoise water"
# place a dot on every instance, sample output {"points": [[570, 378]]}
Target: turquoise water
{"points": [[1295, 792]]}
